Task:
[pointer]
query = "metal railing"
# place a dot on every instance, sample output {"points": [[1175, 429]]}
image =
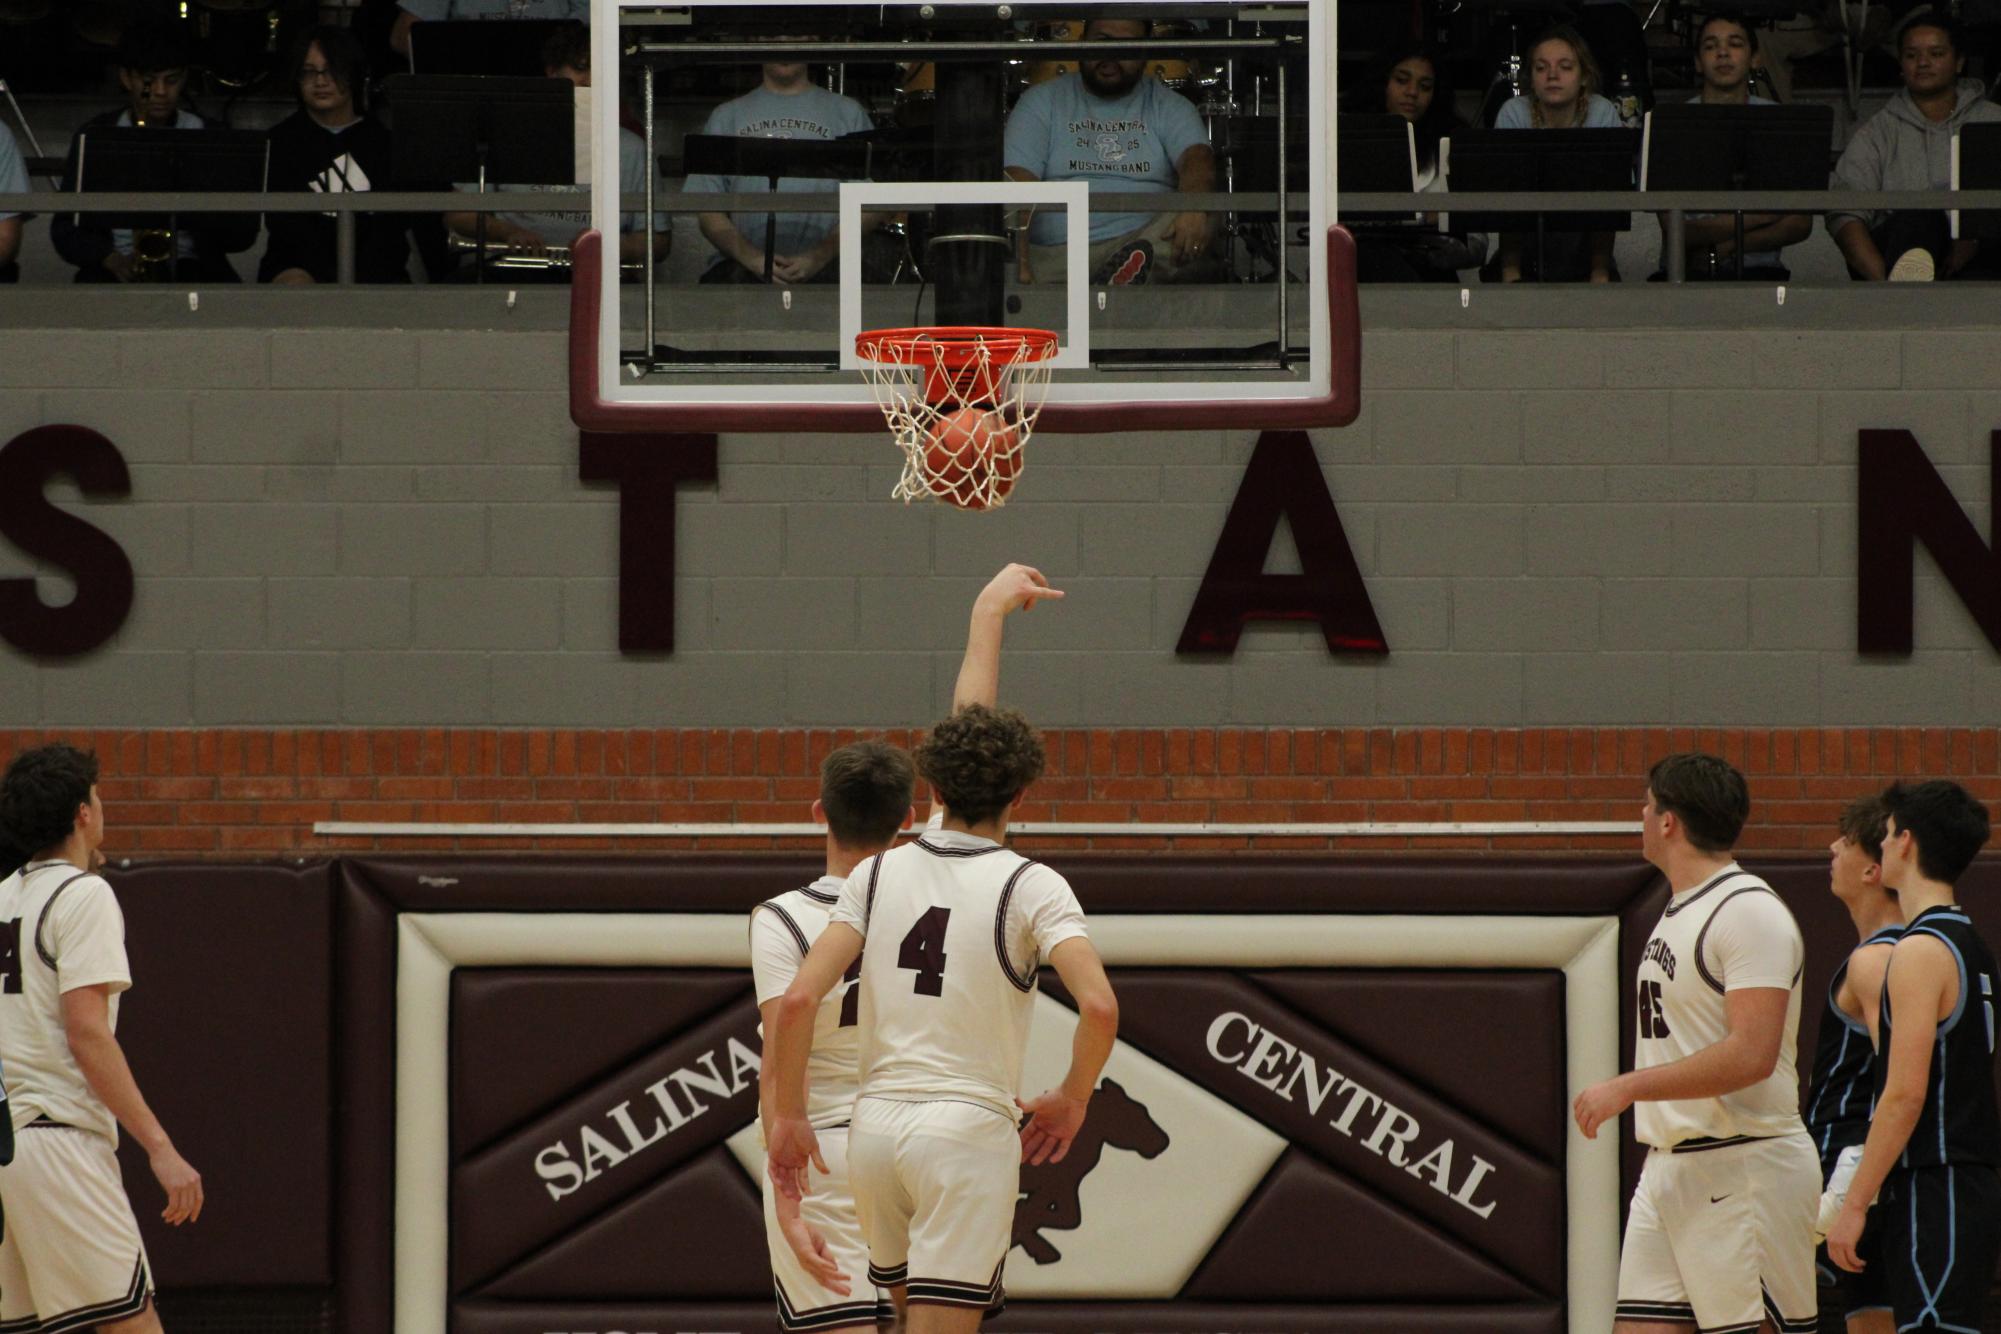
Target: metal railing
{"points": [[1674, 205]]}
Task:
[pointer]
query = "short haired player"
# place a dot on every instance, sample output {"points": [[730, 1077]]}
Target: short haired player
{"points": [[1934, 1143], [951, 931], [1720, 1234], [70, 1258], [1843, 1086], [865, 798]]}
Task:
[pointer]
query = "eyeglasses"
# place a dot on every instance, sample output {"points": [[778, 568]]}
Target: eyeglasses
{"points": [[314, 73]]}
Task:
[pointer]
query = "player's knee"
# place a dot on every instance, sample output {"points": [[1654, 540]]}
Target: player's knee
{"points": [[146, 1322]]}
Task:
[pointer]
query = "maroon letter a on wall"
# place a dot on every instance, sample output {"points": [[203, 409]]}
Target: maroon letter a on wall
{"points": [[1283, 482], [1905, 502]]}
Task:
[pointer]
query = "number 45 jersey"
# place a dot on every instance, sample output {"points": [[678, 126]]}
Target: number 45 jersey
{"points": [[1728, 934], [954, 930]]}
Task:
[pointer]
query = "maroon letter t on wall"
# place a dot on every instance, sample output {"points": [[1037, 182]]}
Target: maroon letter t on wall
{"points": [[100, 567], [648, 470]]}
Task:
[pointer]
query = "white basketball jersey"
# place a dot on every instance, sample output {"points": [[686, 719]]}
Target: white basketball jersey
{"points": [[60, 929], [782, 930], [954, 930], [1727, 934]]}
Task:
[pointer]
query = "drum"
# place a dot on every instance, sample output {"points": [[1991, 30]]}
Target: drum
{"points": [[101, 22], [236, 40], [916, 93], [1054, 30], [1176, 74]]}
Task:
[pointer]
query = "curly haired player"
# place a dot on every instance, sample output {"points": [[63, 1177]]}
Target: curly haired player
{"points": [[865, 798], [951, 931]]}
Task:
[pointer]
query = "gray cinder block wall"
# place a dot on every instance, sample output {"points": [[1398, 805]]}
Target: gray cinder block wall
{"points": [[1605, 525]]}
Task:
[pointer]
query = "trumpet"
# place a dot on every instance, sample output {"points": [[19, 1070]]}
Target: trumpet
{"points": [[153, 255], [500, 255]]}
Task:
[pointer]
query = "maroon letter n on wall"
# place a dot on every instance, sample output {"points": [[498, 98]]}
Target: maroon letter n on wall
{"points": [[1904, 501]]}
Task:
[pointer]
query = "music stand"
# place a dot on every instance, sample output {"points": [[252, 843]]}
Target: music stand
{"points": [[1527, 161], [1377, 155], [1697, 147], [510, 49], [1976, 165], [179, 162], [843, 159], [492, 130]]}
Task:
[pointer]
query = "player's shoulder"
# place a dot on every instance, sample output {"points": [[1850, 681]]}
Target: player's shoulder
{"points": [[1752, 897], [807, 901], [1924, 941], [788, 916], [1029, 879], [1872, 954], [66, 886]]}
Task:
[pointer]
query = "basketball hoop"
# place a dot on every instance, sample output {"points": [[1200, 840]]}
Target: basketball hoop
{"points": [[960, 403]]}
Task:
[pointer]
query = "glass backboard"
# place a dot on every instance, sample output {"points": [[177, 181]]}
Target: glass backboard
{"points": [[1152, 182]]}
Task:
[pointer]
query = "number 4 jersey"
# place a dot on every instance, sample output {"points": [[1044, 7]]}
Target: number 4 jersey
{"points": [[60, 929], [1728, 934], [954, 930]]}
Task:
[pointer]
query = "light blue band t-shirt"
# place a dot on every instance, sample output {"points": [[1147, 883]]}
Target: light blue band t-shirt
{"points": [[433, 10], [811, 113], [1599, 114], [1753, 259], [13, 169], [564, 228], [1062, 131]]}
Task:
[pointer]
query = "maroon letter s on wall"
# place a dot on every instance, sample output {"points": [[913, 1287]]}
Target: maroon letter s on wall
{"points": [[103, 573]]}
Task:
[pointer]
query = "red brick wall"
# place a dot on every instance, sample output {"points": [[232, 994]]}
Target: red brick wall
{"points": [[243, 793]]}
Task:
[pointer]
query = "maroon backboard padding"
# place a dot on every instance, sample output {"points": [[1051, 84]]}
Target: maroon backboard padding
{"points": [[227, 1028], [501, 1210], [546, 1024], [1418, 1019], [1305, 1207], [697, 1234], [374, 889], [592, 412]]}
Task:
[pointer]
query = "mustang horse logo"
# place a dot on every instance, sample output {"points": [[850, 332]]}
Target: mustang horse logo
{"points": [[1049, 1192]]}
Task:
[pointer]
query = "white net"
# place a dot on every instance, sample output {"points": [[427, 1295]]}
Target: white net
{"points": [[961, 404]]}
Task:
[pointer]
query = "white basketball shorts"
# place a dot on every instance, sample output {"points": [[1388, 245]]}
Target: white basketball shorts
{"points": [[1722, 1234], [936, 1185], [829, 1207], [70, 1255]]}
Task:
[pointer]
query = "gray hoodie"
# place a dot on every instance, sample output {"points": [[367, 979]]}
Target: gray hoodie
{"points": [[1899, 149]]}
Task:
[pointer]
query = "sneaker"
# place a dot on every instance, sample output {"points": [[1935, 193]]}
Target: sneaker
{"points": [[1129, 265], [1914, 266]]}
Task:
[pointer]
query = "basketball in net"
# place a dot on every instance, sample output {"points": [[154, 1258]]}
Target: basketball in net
{"points": [[961, 404]]}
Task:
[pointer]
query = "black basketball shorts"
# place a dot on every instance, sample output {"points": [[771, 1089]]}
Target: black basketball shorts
{"points": [[1941, 1237]]}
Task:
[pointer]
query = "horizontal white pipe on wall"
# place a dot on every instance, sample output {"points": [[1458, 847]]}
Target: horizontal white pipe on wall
{"points": [[1093, 829]]}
